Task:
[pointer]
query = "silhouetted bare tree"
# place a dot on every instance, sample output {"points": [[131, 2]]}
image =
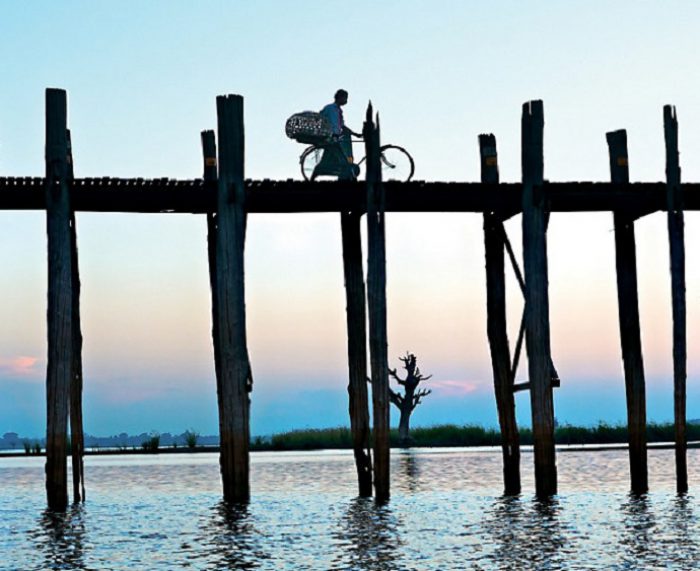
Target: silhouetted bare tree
{"points": [[411, 397]]}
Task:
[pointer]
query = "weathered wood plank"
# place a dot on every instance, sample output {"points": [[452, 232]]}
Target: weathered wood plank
{"points": [[628, 311], [537, 299], [210, 178], [234, 366], [357, 348], [60, 299], [76, 390], [676, 241], [376, 290], [497, 331]]}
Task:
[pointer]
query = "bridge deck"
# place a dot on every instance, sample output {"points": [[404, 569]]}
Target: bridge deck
{"points": [[192, 196]]}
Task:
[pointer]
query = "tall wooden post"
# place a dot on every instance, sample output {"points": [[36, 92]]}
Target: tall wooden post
{"points": [[628, 310], [676, 240], [494, 245], [60, 299], [357, 348], [234, 367], [210, 182], [537, 298], [76, 389], [376, 290]]}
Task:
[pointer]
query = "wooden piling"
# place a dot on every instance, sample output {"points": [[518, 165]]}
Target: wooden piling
{"points": [[494, 245], [628, 311], [60, 363], [357, 348], [376, 290], [77, 437], [234, 368], [674, 200], [210, 178], [537, 299]]}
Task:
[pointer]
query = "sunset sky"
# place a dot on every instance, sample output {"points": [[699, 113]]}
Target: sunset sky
{"points": [[142, 78]]}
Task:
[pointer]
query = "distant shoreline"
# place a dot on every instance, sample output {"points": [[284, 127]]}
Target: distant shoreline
{"points": [[526, 448], [568, 439]]}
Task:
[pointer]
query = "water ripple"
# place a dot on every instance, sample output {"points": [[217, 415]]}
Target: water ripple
{"points": [[446, 512]]}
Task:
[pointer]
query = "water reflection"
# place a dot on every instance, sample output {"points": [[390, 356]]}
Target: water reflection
{"points": [[232, 538], [638, 525], [683, 526], [408, 464], [61, 538], [445, 513], [368, 537], [525, 535]]}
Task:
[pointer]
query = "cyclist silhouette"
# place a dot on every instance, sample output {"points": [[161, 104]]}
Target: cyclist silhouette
{"points": [[337, 155]]}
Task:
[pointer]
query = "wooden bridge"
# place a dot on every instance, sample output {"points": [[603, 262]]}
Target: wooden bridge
{"points": [[226, 198], [194, 196]]}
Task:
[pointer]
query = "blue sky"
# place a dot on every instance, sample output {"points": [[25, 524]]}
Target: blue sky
{"points": [[142, 78]]}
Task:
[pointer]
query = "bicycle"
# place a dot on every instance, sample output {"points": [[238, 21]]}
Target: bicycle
{"points": [[396, 162]]}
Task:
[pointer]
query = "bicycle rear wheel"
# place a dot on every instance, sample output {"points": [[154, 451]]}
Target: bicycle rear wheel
{"points": [[396, 163], [308, 161]]}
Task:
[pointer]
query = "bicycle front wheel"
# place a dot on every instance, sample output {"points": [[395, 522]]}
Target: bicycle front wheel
{"points": [[308, 161], [396, 163]]}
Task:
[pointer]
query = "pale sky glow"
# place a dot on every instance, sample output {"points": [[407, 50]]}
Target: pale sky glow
{"points": [[142, 79]]}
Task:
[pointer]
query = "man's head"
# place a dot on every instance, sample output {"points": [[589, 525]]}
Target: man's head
{"points": [[341, 97]]}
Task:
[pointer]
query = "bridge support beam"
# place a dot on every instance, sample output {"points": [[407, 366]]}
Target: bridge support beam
{"points": [[210, 178], [234, 372], [674, 201], [63, 363], [357, 348], [496, 326], [76, 389], [628, 310], [535, 217], [376, 290]]}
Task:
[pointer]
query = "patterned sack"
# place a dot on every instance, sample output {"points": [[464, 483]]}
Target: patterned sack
{"points": [[308, 127]]}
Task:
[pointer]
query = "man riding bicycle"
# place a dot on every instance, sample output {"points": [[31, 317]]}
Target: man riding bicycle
{"points": [[337, 155]]}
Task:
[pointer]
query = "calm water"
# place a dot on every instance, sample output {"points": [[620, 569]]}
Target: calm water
{"points": [[446, 512]]}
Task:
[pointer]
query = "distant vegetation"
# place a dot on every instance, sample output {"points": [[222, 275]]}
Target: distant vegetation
{"points": [[339, 438], [31, 447], [151, 444], [191, 437], [467, 435]]}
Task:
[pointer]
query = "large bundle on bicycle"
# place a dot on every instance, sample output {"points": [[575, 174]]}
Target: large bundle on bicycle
{"points": [[309, 128]]}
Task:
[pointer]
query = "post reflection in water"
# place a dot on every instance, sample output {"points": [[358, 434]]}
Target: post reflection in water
{"points": [[409, 465], [684, 524], [656, 538], [61, 538], [525, 534], [232, 538], [637, 529], [368, 537]]}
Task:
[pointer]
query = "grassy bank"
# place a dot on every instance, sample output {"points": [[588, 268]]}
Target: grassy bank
{"points": [[468, 435]]}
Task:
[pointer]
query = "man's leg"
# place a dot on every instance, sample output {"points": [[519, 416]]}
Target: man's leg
{"points": [[350, 170]]}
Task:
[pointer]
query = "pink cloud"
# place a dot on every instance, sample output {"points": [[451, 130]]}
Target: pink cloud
{"points": [[453, 388], [20, 366]]}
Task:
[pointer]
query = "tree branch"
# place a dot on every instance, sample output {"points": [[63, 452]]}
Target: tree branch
{"points": [[392, 373], [418, 397], [396, 398]]}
